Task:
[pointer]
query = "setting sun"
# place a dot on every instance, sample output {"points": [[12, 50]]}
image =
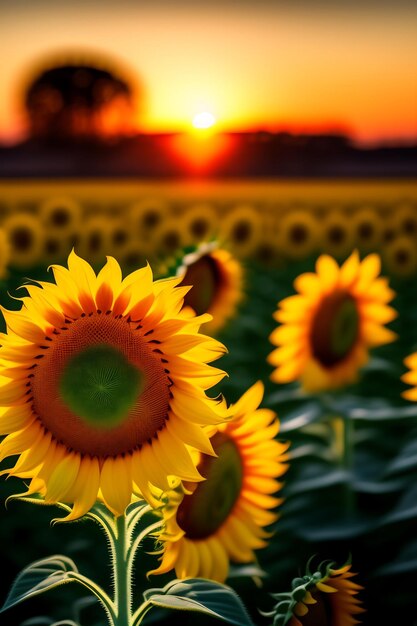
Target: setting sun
{"points": [[203, 120]]}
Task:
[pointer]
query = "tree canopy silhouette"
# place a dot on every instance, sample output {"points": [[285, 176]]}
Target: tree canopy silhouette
{"points": [[74, 101]]}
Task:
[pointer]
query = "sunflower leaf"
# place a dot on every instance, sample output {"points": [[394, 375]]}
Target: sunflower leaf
{"points": [[203, 596], [38, 577]]}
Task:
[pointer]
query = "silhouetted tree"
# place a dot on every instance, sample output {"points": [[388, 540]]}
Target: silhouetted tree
{"points": [[78, 101]]}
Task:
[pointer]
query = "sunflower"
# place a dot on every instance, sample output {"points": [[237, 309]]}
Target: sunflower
{"points": [[298, 234], [328, 327], [400, 256], [267, 252], [55, 248], [120, 236], [337, 237], [241, 229], [328, 597], [25, 237], [102, 384], [61, 215], [217, 283], [93, 242], [200, 223], [404, 218], [147, 215], [223, 518], [367, 227], [4, 254], [168, 238]]}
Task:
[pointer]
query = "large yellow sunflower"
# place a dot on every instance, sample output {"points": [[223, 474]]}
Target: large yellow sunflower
{"points": [[217, 283], [102, 384], [223, 518], [324, 598], [326, 330]]}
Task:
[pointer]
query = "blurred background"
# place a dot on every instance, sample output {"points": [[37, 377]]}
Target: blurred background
{"points": [[281, 129]]}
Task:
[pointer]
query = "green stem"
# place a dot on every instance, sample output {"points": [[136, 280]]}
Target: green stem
{"points": [[122, 575], [347, 462]]}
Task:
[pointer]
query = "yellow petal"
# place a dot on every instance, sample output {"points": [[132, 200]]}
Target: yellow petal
{"points": [[62, 477], [116, 483]]}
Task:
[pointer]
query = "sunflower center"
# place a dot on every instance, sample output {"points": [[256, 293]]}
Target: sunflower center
{"points": [[202, 513], [298, 234], [100, 385], [22, 239], [204, 277], [335, 328], [60, 217], [319, 614], [241, 232]]}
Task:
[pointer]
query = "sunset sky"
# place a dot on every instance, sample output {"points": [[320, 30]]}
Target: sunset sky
{"points": [[252, 65]]}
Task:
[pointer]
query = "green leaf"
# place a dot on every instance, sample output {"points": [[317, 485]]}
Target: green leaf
{"points": [[203, 596], [38, 577]]}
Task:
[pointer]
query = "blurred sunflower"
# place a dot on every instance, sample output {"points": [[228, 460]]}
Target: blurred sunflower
{"points": [[93, 241], [120, 236], [25, 237], [267, 252], [216, 280], [404, 219], [133, 257], [400, 256], [61, 215], [328, 327], [169, 238], [327, 597], [55, 248], [241, 229], [223, 518], [298, 235], [147, 215], [200, 223], [337, 237], [102, 386], [4, 253], [367, 228]]}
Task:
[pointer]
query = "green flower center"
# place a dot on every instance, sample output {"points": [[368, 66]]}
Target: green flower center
{"points": [[204, 277], [203, 512], [335, 328], [100, 385]]}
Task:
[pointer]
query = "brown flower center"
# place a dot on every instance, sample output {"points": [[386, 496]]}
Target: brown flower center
{"points": [[205, 277], [99, 387], [335, 328], [202, 513]]}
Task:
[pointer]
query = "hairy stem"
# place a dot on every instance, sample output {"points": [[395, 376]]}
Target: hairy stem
{"points": [[122, 575]]}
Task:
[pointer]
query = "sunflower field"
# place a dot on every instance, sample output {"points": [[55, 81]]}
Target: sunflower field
{"points": [[225, 382]]}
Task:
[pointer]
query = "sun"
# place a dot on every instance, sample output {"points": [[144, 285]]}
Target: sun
{"points": [[203, 120]]}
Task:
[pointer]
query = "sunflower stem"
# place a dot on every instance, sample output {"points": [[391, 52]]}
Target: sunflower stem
{"points": [[122, 574], [347, 463]]}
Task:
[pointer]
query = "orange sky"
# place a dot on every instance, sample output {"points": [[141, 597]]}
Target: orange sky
{"points": [[261, 66]]}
